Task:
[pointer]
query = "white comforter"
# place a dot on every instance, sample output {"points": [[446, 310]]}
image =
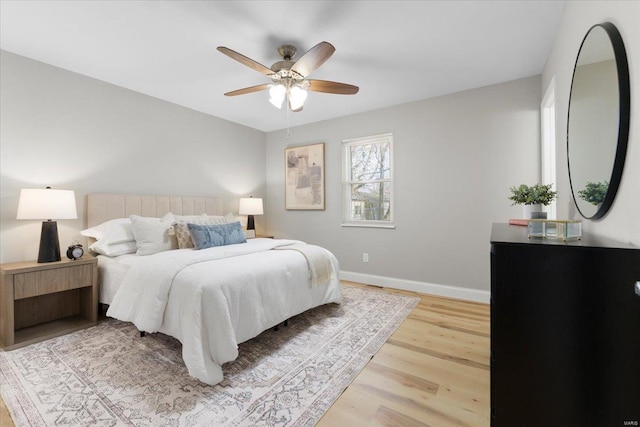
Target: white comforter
{"points": [[213, 299]]}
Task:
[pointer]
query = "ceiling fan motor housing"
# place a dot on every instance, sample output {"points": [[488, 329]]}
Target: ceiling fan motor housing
{"points": [[287, 51], [282, 66]]}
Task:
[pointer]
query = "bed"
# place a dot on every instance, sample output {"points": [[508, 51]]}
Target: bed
{"points": [[210, 298]]}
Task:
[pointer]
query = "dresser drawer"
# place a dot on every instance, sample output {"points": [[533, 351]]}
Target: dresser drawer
{"points": [[32, 284]]}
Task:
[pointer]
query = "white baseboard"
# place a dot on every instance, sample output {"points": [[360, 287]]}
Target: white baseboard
{"points": [[466, 294]]}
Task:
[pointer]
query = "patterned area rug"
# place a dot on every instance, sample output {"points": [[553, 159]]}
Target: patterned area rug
{"points": [[109, 376]]}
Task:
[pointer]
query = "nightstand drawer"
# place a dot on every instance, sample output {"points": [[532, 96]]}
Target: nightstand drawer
{"points": [[27, 285]]}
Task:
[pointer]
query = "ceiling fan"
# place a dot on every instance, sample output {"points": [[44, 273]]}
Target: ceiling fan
{"points": [[289, 78]]}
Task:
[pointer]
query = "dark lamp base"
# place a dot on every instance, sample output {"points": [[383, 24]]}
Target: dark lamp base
{"points": [[49, 243], [251, 225]]}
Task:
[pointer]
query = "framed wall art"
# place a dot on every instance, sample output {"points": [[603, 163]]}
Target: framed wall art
{"points": [[304, 177]]}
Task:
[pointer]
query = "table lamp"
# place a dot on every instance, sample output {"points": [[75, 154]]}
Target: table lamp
{"points": [[48, 205], [250, 206]]}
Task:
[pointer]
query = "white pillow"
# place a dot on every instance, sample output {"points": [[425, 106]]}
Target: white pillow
{"points": [[114, 237], [242, 219], [182, 230], [188, 217], [116, 230], [231, 218], [153, 235], [114, 249]]}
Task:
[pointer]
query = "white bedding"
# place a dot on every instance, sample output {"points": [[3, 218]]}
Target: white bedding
{"points": [[111, 273], [213, 299]]}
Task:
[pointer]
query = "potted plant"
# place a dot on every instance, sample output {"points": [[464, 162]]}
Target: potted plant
{"points": [[532, 199], [594, 192]]}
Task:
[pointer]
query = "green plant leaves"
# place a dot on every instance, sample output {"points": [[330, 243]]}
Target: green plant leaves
{"points": [[594, 192], [537, 194]]}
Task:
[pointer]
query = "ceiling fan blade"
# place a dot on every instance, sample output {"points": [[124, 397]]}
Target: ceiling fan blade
{"points": [[246, 61], [246, 90], [313, 58], [332, 87]]}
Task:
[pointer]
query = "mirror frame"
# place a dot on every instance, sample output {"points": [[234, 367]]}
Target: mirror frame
{"points": [[622, 66]]}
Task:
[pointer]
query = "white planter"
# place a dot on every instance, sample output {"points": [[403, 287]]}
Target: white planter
{"points": [[528, 210]]}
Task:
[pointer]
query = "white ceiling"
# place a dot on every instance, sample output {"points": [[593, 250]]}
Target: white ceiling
{"points": [[395, 51]]}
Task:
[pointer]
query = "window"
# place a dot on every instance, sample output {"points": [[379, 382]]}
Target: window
{"points": [[368, 181]]}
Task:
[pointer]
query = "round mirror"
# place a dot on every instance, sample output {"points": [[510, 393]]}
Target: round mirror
{"points": [[598, 124]]}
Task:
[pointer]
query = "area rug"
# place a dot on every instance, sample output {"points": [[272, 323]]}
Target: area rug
{"points": [[109, 376]]}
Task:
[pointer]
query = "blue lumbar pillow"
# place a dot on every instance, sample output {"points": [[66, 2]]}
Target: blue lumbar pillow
{"points": [[210, 235]]}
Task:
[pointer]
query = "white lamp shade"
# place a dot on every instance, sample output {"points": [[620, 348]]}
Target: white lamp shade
{"points": [[297, 96], [250, 206], [47, 204], [277, 94]]}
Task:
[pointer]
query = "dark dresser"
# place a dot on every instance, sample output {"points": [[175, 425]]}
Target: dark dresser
{"points": [[565, 331]]}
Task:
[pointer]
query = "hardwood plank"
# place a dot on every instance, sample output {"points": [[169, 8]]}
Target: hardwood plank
{"points": [[460, 360], [5, 417], [467, 399], [389, 417], [419, 409], [403, 378], [457, 344], [434, 368], [450, 322]]}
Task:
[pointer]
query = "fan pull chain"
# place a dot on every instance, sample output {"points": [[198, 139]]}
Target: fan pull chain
{"points": [[288, 124]]}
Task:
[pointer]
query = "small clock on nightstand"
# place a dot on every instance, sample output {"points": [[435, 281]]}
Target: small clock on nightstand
{"points": [[75, 251]]}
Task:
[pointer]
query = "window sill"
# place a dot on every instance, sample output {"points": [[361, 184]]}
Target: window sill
{"points": [[367, 225]]}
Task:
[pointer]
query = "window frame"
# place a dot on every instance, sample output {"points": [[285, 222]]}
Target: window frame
{"points": [[347, 182]]}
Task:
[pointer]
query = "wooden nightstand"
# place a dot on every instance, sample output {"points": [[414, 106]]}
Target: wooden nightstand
{"points": [[39, 301]]}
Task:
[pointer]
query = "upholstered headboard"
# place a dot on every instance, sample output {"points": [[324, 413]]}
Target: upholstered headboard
{"points": [[103, 207]]}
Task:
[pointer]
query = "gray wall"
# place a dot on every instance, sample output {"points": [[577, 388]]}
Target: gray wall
{"points": [[455, 158], [72, 132], [623, 220]]}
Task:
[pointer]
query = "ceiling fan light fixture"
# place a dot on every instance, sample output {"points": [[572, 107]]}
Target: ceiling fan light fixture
{"points": [[289, 77], [277, 93], [297, 96]]}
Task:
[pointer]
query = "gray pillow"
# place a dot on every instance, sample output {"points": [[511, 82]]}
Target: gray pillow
{"points": [[210, 235]]}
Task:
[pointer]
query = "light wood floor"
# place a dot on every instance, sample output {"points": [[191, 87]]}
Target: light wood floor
{"points": [[433, 371]]}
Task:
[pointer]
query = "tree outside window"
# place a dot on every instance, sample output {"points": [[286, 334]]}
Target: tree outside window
{"points": [[368, 180]]}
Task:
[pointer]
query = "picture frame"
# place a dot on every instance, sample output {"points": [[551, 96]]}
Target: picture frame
{"points": [[304, 177]]}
